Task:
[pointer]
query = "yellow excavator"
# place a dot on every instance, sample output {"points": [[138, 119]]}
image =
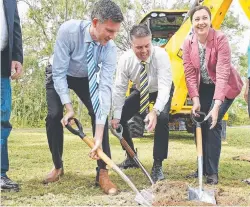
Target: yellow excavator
{"points": [[169, 29]]}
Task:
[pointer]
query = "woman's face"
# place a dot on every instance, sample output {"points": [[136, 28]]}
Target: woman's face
{"points": [[201, 22]]}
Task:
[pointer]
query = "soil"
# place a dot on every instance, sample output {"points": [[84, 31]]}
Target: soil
{"points": [[174, 193]]}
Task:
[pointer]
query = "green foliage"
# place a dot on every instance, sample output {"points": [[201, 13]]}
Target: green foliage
{"points": [[238, 113], [181, 5], [39, 29], [39, 32]]}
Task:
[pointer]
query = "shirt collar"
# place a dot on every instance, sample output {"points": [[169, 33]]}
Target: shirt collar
{"points": [[87, 37]]}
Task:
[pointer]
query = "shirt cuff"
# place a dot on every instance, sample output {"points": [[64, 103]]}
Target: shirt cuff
{"points": [[193, 94], [117, 114], [158, 106], [102, 120], [65, 99]]}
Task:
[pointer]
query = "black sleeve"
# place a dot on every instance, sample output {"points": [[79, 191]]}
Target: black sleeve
{"points": [[17, 52]]}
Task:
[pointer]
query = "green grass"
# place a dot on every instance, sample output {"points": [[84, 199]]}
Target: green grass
{"points": [[30, 161]]}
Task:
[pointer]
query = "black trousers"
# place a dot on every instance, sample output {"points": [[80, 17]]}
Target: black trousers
{"points": [[161, 136], [55, 113], [211, 138]]}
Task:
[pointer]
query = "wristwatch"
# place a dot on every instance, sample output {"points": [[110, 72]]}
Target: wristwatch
{"points": [[157, 112]]}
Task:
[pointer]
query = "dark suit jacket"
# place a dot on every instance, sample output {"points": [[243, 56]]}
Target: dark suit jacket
{"points": [[14, 49]]}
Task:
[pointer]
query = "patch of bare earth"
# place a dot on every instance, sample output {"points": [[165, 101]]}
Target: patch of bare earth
{"points": [[171, 193], [175, 193]]}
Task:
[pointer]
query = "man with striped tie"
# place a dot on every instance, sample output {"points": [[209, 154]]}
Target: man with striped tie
{"points": [[84, 61], [149, 68]]}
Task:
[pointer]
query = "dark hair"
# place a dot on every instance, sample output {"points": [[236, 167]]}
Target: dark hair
{"points": [[140, 30], [107, 9], [197, 8]]}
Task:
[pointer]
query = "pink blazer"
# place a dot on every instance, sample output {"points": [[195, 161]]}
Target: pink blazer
{"points": [[218, 60]]}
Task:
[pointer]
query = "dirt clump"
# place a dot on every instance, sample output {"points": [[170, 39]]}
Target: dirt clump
{"points": [[170, 193]]}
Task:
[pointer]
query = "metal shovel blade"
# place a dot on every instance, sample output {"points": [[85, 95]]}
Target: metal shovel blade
{"points": [[206, 196], [145, 198]]}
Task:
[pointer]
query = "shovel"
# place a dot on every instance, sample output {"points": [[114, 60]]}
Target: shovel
{"points": [[144, 198], [118, 133], [200, 194]]}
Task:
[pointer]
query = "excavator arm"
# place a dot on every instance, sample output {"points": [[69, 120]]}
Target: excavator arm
{"points": [[245, 5]]}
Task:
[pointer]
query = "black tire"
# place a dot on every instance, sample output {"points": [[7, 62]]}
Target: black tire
{"points": [[189, 125], [136, 126]]}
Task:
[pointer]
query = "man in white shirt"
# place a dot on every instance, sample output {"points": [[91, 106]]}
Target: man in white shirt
{"points": [[149, 68]]}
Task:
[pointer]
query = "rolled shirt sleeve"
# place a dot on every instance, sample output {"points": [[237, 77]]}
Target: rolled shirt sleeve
{"points": [[61, 63], [164, 75], [106, 82], [121, 86]]}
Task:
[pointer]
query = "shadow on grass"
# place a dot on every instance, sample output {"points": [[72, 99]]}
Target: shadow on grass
{"points": [[70, 183], [175, 135]]}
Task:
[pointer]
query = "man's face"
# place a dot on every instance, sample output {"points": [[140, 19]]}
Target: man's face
{"points": [[142, 47], [105, 31]]}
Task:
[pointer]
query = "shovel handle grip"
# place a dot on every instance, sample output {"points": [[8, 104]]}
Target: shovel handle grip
{"points": [[199, 141], [100, 153], [127, 147]]}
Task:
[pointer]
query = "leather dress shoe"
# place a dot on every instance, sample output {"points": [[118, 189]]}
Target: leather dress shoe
{"points": [[8, 185], [102, 180], [157, 173], [212, 179], [128, 163], [53, 176]]}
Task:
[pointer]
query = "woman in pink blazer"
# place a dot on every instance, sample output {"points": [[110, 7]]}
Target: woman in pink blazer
{"points": [[212, 84]]}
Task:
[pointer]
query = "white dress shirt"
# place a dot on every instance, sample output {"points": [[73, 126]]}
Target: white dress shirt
{"points": [[4, 29], [159, 78]]}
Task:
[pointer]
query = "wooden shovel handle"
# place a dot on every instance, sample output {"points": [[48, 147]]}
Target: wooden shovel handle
{"points": [[100, 153], [199, 141], [127, 147]]}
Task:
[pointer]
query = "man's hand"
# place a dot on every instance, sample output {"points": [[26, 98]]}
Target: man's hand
{"points": [[69, 114], [151, 119], [98, 141], [214, 114], [196, 105], [115, 123], [246, 91], [16, 70]]}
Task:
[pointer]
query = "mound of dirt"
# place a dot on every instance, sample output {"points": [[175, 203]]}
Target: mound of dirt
{"points": [[242, 158], [173, 194]]}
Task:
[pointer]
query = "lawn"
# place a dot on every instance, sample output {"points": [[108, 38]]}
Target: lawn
{"points": [[30, 161]]}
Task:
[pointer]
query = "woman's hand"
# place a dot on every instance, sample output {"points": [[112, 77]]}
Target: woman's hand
{"points": [[196, 105], [214, 113]]}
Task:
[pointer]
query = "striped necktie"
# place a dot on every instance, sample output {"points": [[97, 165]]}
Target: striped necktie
{"points": [[144, 92], [92, 76]]}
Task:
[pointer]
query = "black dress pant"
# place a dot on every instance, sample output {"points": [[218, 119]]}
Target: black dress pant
{"points": [[211, 138], [55, 113], [161, 136]]}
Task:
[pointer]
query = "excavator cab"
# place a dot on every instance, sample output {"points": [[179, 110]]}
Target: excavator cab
{"points": [[163, 25]]}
